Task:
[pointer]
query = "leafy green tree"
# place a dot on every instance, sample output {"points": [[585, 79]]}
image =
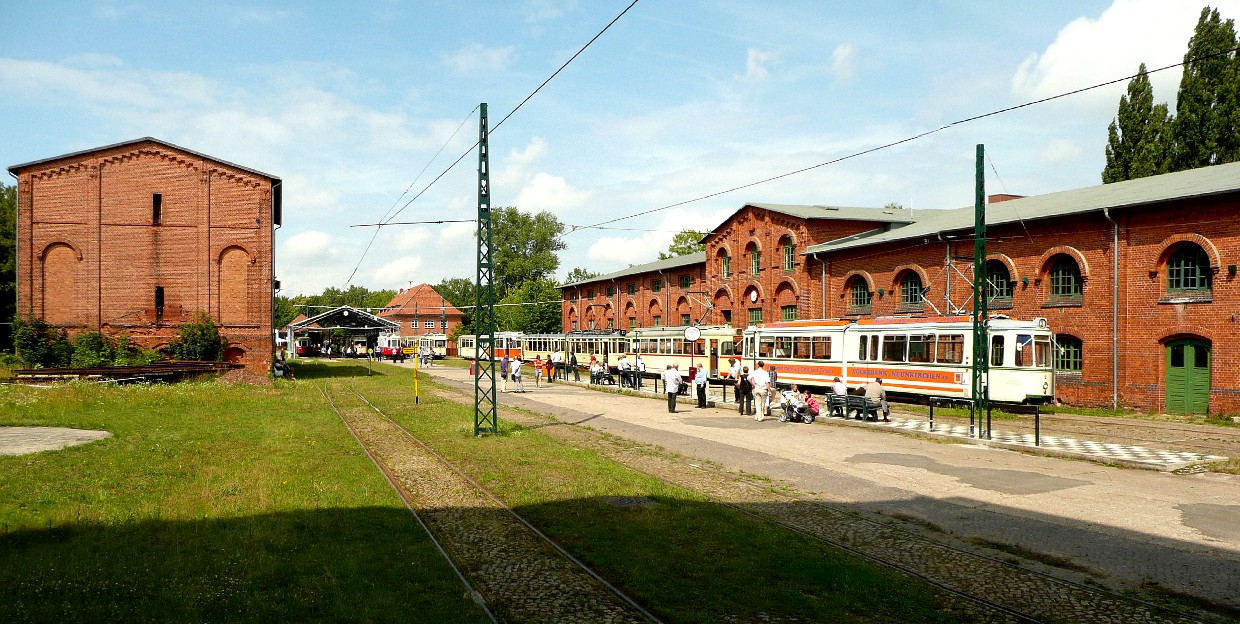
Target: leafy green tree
{"points": [[685, 242], [1138, 139], [285, 311], [198, 339], [462, 293], [532, 307], [579, 274], [41, 345], [524, 247], [8, 263], [1205, 127]]}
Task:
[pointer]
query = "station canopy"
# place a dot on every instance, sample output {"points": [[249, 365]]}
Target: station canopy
{"points": [[349, 319]]}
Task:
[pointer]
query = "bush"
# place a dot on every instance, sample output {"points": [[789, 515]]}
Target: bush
{"points": [[198, 340], [95, 349], [41, 345]]}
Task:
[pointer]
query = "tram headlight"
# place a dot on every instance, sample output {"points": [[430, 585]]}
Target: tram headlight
{"points": [[1046, 386]]}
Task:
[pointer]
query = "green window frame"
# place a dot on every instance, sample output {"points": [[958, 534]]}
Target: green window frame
{"points": [[657, 321], [590, 294], [1188, 270], [726, 268], [1068, 350], [656, 285], [755, 316], [999, 281], [790, 255], [611, 291], [859, 295], [755, 262], [910, 290], [632, 322], [632, 288], [686, 319], [1065, 278], [686, 281], [788, 313], [572, 296]]}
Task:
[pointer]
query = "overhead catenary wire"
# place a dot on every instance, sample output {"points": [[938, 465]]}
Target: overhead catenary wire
{"points": [[902, 141]]}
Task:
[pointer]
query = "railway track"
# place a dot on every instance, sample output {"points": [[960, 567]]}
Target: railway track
{"points": [[512, 570]]}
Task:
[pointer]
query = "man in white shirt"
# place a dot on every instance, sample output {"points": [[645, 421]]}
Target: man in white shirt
{"points": [[516, 374], [639, 367], [761, 386], [671, 385], [839, 387], [699, 384], [625, 368]]}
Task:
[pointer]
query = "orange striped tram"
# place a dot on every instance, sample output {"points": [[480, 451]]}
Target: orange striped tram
{"points": [[919, 357]]}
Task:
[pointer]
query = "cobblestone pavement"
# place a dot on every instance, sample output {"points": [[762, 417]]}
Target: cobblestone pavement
{"points": [[521, 577], [1028, 586]]}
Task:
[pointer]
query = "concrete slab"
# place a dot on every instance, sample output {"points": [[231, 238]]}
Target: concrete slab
{"points": [[24, 440]]}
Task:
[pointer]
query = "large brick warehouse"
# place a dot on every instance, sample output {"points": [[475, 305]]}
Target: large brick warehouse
{"points": [[138, 237], [1137, 280]]}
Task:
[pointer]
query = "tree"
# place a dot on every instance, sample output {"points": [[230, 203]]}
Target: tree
{"points": [[8, 263], [198, 339], [532, 307], [41, 345], [462, 293], [1138, 140], [523, 247], [1205, 127], [285, 311], [578, 275], [685, 242]]}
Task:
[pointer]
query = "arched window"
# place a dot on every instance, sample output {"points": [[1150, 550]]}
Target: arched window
{"points": [[1068, 351], [1188, 269], [998, 283], [725, 265], [859, 296], [755, 261], [910, 290], [1065, 278], [790, 254]]}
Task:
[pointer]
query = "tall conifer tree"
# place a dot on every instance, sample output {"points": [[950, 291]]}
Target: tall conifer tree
{"points": [[1138, 138], [1204, 127]]}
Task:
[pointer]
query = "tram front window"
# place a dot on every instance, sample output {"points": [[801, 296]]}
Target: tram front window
{"points": [[1033, 351]]}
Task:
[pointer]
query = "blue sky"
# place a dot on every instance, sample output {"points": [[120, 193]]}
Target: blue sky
{"points": [[348, 102]]}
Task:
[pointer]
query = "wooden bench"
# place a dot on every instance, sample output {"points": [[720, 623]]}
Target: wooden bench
{"points": [[861, 408]]}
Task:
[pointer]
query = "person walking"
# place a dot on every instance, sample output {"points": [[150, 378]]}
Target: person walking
{"points": [[761, 381], [503, 374], [671, 385], [572, 361], [699, 383], [772, 396], [744, 392], [538, 371], [516, 375]]}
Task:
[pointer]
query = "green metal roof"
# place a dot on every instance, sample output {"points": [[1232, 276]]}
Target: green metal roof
{"points": [[1203, 182]]}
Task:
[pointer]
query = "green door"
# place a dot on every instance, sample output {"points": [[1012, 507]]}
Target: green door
{"points": [[1188, 377]]}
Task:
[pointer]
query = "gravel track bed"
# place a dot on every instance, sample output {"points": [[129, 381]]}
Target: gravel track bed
{"points": [[1037, 595], [522, 578]]}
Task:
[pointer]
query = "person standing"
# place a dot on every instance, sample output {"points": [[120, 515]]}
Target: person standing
{"points": [[639, 368], [503, 374], [671, 385], [538, 371], [625, 368], [744, 392], [761, 381], [557, 364], [699, 383], [516, 375], [572, 361], [772, 396]]}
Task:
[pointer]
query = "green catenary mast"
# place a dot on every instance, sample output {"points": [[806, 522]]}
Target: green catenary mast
{"points": [[486, 416], [981, 316]]}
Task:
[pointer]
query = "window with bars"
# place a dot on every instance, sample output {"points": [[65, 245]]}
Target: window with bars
{"points": [[910, 290], [790, 255], [859, 295], [726, 266], [686, 281], [428, 324], [632, 288], [755, 316], [788, 313], [755, 262], [632, 323], [1188, 269], [998, 281], [1068, 353], [1065, 278], [656, 285]]}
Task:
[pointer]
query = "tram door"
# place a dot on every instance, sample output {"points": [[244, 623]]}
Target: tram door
{"points": [[1188, 377]]}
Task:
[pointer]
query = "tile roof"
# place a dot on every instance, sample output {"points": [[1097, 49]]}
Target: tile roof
{"points": [[658, 265], [16, 168], [423, 298]]}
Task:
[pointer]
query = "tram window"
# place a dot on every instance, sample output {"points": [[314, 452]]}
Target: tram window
{"points": [[950, 349], [766, 346], [873, 348], [862, 348], [801, 348], [699, 347], [1024, 350], [727, 347], [920, 347], [996, 350], [821, 348], [1042, 351], [783, 347], [894, 348]]}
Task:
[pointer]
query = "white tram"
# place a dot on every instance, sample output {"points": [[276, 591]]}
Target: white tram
{"points": [[604, 345], [660, 346], [506, 343], [541, 345], [915, 356]]}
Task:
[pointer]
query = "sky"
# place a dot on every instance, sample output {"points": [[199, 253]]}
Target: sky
{"points": [[359, 106]]}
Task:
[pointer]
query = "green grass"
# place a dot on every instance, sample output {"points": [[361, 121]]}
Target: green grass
{"points": [[209, 503]]}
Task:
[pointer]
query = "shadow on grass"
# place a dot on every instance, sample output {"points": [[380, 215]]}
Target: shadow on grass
{"points": [[310, 369]]}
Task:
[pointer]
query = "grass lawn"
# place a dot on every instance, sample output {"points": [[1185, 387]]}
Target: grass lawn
{"points": [[218, 503]]}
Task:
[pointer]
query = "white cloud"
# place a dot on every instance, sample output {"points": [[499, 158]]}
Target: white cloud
{"points": [[413, 239], [1130, 32], [1060, 150], [842, 62], [543, 10], [755, 64], [397, 273], [475, 58], [550, 193], [307, 246]]}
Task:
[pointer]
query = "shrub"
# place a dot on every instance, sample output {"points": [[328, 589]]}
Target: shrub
{"points": [[41, 345], [198, 340]]}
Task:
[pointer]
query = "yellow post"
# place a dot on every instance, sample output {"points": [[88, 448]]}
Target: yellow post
{"points": [[417, 398]]}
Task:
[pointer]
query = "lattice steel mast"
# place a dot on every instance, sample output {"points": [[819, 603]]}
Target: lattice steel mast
{"points": [[486, 413], [981, 312]]}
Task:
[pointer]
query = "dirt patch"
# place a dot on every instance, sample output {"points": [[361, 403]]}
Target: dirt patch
{"points": [[243, 376]]}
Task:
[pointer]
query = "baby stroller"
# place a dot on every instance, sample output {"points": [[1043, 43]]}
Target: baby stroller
{"points": [[794, 409]]}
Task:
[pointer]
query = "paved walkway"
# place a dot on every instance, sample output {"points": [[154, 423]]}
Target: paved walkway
{"points": [[1134, 528]]}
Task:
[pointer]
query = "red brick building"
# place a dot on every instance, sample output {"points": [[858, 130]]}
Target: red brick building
{"points": [[422, 310], [1137, 279], [138, 237]]}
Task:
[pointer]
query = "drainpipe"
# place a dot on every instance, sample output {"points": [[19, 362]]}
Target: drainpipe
{"points": [[1114, 309], [667, 294], [947, 275]]}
